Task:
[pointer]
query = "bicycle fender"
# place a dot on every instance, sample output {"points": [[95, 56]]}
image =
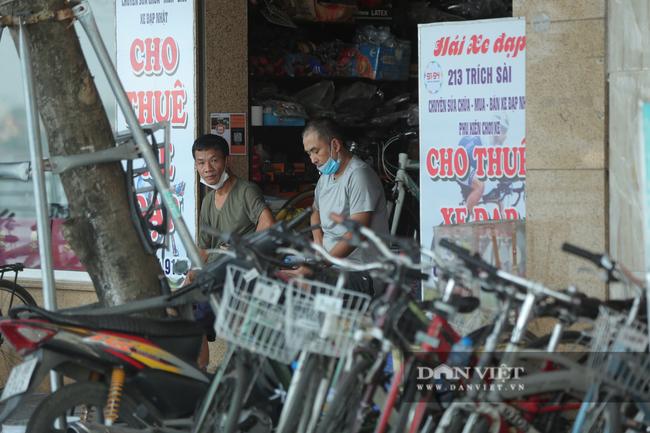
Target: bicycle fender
{"points": [[46, 362]]}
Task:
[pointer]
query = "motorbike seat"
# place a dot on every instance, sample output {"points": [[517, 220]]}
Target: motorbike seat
{"points": [[141, 326]]}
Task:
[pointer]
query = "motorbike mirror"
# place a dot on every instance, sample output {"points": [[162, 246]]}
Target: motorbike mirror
{"points": [[181, 266]]}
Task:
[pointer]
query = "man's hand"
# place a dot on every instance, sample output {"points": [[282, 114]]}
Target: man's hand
{"points": [[296, 271]]}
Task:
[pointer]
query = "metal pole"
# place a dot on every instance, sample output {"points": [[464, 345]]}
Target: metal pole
{"points": [[38, 176], [85, 16]]}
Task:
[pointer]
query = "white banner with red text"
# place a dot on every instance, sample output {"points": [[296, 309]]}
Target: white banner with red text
{"points": [[472, 93], [155, 61]]}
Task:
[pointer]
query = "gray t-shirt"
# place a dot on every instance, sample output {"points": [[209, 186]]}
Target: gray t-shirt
{"points": [[239, 213], [357, 190]]}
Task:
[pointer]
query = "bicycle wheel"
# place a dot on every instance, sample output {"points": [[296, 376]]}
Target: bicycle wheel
{"points": [[304, 394], [228, 402], [10, 298], [86, 402], [341, 413], [302, 199]]}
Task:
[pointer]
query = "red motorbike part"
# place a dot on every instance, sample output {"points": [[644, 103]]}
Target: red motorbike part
{"points": [[25, 337]]}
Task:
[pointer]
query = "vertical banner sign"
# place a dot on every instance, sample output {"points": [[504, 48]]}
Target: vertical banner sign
{"points": [[155, 62], [472, 88]]}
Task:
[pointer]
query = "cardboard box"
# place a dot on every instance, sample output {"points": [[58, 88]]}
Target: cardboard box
{"points": [[378, 63], [271, 120]]}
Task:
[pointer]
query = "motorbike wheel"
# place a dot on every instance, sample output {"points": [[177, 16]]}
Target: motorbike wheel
{"points": [[83, 400]]}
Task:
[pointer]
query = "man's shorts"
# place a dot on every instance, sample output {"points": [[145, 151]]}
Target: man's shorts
{"points": [[204, 316]]}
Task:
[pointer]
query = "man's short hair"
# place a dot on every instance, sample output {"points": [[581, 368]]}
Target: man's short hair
{"points": [[327, 129], [208, 142]]}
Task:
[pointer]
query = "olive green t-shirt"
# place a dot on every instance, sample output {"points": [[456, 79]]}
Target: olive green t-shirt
{"points": [[239, 213]]}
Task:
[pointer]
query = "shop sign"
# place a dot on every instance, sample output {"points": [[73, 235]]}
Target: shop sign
{"points": [[472, 93], [155, 58]]}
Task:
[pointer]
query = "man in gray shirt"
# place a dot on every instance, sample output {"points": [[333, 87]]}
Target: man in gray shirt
{"points": [[347, 186]]}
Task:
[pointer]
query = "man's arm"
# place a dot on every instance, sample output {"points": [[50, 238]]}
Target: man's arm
{"points": [[265, 220], [316, 233], [342, 248], [204, 255]]}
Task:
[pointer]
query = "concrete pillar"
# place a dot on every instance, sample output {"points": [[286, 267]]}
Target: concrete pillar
{"points": [[566, 143], [628, 66], [226, 59]]}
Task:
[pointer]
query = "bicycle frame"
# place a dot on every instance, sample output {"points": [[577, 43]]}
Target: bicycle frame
{"points": [[403, 182]]}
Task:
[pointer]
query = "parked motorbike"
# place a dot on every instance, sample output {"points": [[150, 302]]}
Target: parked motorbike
{"points": [[142, 370]]}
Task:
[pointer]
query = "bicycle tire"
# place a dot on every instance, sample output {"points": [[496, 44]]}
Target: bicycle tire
{"points": [[79, 396], [20, 292], [300, 399], [295, 199], [8, 356], [346, 402]]}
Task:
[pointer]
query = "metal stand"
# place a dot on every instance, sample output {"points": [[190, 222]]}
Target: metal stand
{"points": [[131, 145], [36, 154]]}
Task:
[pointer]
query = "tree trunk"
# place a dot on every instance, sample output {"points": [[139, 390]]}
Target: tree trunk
{"points": [[99, 230]]}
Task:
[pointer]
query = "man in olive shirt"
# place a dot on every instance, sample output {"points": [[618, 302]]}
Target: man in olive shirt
{"points": [[233, 204], [236, 205]]}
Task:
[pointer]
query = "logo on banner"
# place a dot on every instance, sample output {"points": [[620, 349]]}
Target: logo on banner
{"points": [[433, 77], [220, 129]]}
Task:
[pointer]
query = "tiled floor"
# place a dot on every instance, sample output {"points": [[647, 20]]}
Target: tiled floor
{"points": [[23, 413]]}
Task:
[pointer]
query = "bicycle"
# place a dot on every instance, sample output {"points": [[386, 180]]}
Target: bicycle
{"points": [[618, 363], [12, 294], [404, 215], [575, 384]]}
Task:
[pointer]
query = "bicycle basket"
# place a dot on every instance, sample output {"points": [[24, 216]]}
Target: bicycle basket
{"points": [[322, 319], [252, 314], [619, 355]]}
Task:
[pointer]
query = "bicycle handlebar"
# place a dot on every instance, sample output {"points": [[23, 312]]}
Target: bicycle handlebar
{"points": [[357, 229], [530, 286], [605, 262], [598, 260]]}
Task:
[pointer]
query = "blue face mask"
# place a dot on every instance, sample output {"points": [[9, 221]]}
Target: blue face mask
{"points": [[331, 167]]}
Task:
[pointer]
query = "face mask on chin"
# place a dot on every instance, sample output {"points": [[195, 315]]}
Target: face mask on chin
{"points": [[224, 178], [331, 167]]}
